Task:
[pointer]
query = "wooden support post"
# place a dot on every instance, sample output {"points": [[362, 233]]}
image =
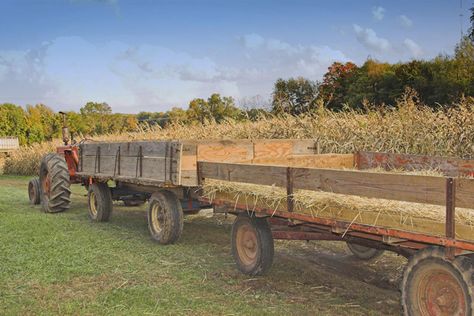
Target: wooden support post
{"points": [[117, 162], [450, 214], [289, 189], [97, 161], [199, 175], [165, 165], [139, 165]]}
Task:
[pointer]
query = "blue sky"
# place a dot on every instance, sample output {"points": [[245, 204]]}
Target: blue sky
{"points": [[153, 55]]}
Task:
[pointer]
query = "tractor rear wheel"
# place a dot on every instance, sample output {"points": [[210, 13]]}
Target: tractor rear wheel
{"points": [[99, 202], [363, 252], [34, 193], [54, 184], [252, 244], [165, 217], [434, 285]]}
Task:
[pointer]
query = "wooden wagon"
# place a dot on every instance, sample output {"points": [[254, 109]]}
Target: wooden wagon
{"points": [[439, 278]]}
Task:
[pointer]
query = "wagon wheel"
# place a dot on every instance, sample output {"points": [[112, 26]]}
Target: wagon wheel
{"points": [[165, 217], [364, 253], [99, 202], [433, 285], [252, 244], [54, 184], [34, 193]]}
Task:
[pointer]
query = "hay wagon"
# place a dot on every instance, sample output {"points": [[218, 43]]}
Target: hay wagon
{"points": [[270, 186]]}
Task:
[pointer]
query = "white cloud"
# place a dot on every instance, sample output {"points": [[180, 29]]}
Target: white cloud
{"points": [[70, 71], [254, 42], [370, 40], [405, 21], [413, 48], [67, 72], [378, 13], [273, 58]]}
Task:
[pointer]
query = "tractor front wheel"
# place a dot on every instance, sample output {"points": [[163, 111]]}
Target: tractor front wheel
{"points": [[54, 184], [34, 193]]}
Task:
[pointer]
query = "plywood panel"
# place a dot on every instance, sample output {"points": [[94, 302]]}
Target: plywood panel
{"points": [[332, 161], [226, 151], [272, 149]]}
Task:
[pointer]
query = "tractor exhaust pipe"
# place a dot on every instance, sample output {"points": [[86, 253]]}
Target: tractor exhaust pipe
{"points": [[65, 129]]}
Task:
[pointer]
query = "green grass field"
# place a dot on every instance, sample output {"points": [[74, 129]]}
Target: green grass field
{"points": [[64, 264]]}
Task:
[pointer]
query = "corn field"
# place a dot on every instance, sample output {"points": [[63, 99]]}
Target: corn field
{"points": [[410, 127]]}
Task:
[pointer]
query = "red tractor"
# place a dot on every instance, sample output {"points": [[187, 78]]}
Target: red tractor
{"points": [[57, 172]]}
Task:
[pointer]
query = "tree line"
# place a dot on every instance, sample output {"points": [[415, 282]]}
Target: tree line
{"points": [[439, 82]]}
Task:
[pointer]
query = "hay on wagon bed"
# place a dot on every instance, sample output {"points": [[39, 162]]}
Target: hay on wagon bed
{"points": [[407, 216]]}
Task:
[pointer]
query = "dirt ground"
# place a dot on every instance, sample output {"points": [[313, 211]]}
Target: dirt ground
{"points": [[62, 264], [328, 266]]}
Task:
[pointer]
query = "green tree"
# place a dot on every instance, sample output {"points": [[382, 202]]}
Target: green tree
{"points": [[43, 123], [294, 96], [13, 122], [96, 108], [177, 115], [98, 115], [214, 108]]}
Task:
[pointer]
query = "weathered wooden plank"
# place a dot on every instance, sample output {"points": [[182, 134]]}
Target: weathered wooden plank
{"points": [[148, 148], [188, 156], [330, 161], [447, 165], [410, 188], [464, 193], [155, 161], [256, 174]]}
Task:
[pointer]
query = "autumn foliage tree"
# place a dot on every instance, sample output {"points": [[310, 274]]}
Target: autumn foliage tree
{"points": [[334, 87]]}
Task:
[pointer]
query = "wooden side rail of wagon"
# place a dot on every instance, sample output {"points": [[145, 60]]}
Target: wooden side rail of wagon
{"points": [[440, 272]]}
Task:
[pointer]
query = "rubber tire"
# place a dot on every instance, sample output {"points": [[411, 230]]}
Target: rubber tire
{"points": [[171, 223], [59, 198], [462, 267], [34, 193], [265, 246], [103, 200], [364, 253], [131, 203]]}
